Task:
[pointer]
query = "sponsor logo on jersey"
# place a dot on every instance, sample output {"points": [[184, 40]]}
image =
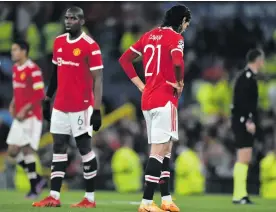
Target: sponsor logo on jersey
{"points": [[76, 52], [22, 76], [61, 62], [59, 50]]}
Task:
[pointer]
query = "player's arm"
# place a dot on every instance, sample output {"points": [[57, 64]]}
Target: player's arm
{"points": [[52, 84], [176, 48], [96, 68], [12, 107], [126, 61], [53, 80]]}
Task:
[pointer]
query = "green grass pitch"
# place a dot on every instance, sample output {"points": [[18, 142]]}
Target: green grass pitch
{"points": [[11, 201]]}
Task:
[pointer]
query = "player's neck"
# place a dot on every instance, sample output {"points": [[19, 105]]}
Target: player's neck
{"points": [[253, 68], [22, 62], [73, 36]]}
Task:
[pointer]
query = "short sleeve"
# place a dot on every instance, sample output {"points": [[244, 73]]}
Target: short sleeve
{"points": [[54, 59], [137, 47], [177, 44], [95, 57]]}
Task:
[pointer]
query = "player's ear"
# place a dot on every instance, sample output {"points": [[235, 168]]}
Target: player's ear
{"points": [[82, 22]]}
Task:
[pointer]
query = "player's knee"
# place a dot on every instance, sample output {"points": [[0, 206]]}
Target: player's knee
{"points": [[160, 149], [13, 151], [27, 150], [60, 143], [60, 148], [244, 155], [84, 144]]}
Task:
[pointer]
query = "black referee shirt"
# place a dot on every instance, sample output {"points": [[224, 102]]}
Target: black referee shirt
{"points": [[245, 96]]}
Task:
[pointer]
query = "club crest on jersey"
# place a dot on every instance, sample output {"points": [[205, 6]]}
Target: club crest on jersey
{"points": [[180, 44], [76, 52], [22, 76]]}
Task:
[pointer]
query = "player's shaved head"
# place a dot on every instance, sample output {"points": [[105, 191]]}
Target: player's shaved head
{"points": [[76, 11]]}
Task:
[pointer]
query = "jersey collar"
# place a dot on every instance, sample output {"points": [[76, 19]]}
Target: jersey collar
{"points": [[20, 68], [170, 28], [75, 40]]}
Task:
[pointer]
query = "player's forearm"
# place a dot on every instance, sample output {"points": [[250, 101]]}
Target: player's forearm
{"points": [[178, 62], [178, 74], [126, 62], [98, 88], [53, 84], [138, 82], [12, 105]]}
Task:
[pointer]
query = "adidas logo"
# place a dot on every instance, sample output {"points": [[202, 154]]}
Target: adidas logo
{"points": [[59, 50]]}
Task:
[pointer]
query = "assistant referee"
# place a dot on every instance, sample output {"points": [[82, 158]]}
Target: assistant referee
{"points": [[244, 121]]}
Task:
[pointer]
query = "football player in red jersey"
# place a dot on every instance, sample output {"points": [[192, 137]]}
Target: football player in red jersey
{"points": [[78, 71], [162, 52], [25, 107]]}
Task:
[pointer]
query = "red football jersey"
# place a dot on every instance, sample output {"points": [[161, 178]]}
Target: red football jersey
{"points": [[75, 60], [28, 87], [156, 47]]}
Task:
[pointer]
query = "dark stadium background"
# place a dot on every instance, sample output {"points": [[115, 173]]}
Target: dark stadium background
{"points": [[216, 42]]}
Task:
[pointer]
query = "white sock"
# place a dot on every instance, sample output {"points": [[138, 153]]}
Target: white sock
{"points": [[146, 202], [55, 194], [167, 198], [90, 196]]}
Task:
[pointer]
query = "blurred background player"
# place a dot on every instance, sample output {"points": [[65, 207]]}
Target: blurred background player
{"points": [[26, 109], [245, 121], [78, 72], [162, 51]]}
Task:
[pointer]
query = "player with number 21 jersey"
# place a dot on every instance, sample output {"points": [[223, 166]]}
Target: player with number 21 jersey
{"points": [[162, 53]]}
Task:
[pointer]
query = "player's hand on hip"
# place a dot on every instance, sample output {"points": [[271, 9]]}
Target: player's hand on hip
{"points": [[21, 115], [178, 87], [96, 120], [250, 127], [46, 109]]}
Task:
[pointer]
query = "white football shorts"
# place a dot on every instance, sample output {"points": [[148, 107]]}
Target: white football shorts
{"points": [[162, 124], [25, 132], [71, 123]]}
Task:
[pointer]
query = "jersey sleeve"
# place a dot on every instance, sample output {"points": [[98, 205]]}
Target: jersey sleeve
{"points": [[137, 47], [37, 84], [95, 57], [177, 44], [54, 58]]}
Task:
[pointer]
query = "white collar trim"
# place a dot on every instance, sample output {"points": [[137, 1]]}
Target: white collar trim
{"points": [[27, 62], [75, 40]]}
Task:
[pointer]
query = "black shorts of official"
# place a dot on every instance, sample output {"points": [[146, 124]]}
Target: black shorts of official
{"points": [[243, 139]]}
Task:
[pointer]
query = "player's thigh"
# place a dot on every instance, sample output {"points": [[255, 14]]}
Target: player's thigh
{"points": [[35, 133], [164, 125], [15, 134], [60, 123], [148, 120], [80, 122]]}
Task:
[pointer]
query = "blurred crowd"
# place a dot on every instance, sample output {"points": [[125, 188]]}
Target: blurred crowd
{"points": [[216, 42]]}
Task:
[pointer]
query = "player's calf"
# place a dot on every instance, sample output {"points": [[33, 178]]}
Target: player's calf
{"points": [[152, 177], [89, 165], [30, 163]]}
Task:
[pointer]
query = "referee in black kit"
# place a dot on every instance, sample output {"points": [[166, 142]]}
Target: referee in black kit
{"points": [[244, 118]]}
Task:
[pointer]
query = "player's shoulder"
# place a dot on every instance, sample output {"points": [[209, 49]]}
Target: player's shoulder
{"points": [[61, 37], [32, 65], [88, 39]]}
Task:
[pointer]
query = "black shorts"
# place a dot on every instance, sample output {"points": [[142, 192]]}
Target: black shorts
{"points": [[243, 139]]}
